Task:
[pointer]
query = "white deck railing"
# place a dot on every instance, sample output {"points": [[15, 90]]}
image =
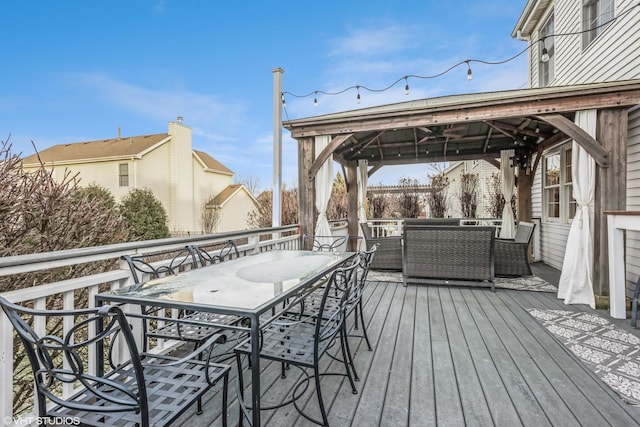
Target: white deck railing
{"points": [[261, 240]]}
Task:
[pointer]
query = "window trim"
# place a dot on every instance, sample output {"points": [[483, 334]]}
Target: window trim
{"points": [[590, 25], [122, 177], [549, 43], [565, 187]]}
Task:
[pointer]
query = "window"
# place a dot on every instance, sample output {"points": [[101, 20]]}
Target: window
{"points": [[123, 174], [560, 206], [596, 14], [552, 185], [547, 53]]}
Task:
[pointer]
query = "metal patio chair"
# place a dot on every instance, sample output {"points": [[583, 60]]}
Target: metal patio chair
{"points": [[228, 250], [323, 243], [302, 340], [137, 388], [158, 326]]}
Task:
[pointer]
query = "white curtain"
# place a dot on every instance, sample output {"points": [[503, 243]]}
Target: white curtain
{"points": [[507, 181], [324, 185], [576, 281], [363, 169]]}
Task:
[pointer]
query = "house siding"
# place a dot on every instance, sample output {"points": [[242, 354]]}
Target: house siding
{"points": [[633, 199], [612, 56]]}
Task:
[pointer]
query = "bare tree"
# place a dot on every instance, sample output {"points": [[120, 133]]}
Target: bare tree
{"points": [[337, 208], [252, 183], [496, 198], [380, 205], [210, 216], [438, 196], [408, 201], [263, 217], [42, 214], [468, 194]]}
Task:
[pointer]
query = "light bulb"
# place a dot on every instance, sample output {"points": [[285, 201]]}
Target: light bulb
{"points": [[545, 55], [315, 100], [469, 74], [358, 98]]}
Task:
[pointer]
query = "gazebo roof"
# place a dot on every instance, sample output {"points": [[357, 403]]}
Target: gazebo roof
{"points": [[463, 127]]}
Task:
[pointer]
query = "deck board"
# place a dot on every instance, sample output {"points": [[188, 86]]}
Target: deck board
{"points": [[449, 356]]}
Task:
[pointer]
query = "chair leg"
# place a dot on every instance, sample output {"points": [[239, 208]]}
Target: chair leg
{"points": [[364, 327], [348, 360], [634, 304], [323, 411], [240, 390], [225, 399]]}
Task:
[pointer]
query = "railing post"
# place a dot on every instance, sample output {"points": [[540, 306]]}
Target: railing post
{"points": [[6, 366]]}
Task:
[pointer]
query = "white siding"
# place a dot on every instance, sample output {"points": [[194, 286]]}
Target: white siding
{"points": [[633, 199], [613, 55]]}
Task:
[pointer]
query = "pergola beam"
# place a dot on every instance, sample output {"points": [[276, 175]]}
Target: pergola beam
{"points": [[579, 135]]}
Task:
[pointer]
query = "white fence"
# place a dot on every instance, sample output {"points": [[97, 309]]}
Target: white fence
{"points": [[251, 241]]}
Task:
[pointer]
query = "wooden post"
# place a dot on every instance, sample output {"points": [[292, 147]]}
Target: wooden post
{"points": [[306, 186], [611, 188], [524, 195], [352, 204]]}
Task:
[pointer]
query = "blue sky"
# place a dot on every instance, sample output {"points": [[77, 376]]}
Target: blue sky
{"points": [[79, 70]]}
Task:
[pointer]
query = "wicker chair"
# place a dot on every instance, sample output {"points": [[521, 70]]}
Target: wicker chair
{"points": [[512, 255], [136, 389], [389, 253]]}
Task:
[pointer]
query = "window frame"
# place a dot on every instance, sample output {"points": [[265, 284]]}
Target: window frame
{"points": [[594, 20], [546, 70], [123, 174], [566, 202]]}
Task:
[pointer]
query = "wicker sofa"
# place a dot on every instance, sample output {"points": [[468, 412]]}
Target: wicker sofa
{"points": [[389, 253], [448, 254]]}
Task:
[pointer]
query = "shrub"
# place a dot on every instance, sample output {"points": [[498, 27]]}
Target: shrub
{"points": [[145, 215]]}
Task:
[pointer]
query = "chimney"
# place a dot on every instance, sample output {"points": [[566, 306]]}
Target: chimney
{"points": [[179, 119]]}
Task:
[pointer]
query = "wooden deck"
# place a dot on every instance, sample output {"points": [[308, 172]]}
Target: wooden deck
{"points": [[450, 356]]}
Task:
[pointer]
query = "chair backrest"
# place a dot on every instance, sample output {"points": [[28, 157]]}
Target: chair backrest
{"points": [[524, 231], [59, 357], [323, 243], [366, 258], [331, 316], [220, 253], [141, 268]]}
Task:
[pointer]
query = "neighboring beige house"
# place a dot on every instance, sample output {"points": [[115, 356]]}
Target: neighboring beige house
{"points": [[183, 179]]}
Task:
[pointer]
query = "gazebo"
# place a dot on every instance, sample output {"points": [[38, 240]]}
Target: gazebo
{"points": [[475, 126]]}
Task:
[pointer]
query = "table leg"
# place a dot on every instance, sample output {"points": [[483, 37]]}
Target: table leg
{"points": [[255, 369]]}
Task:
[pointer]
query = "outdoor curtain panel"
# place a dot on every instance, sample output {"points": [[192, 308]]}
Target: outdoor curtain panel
{"points": [[363, 175], [324, 185], [576, 282], [507, 182]]}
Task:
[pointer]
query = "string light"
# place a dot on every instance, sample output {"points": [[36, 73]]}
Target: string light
{"points": [[545, 53], [544, 57]]}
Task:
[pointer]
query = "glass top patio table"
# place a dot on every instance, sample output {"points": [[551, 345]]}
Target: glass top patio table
{"points": [[247, 286], [249, 283]]}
